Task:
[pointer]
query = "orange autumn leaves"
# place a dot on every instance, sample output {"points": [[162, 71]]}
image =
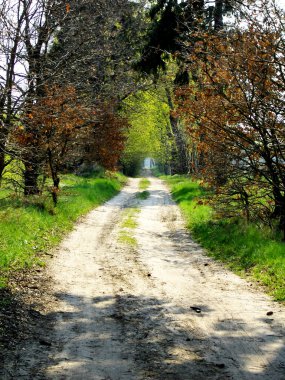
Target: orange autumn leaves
{"points": [[234, 114], [106, 138], [52, 121], [235, 95], [61, 124]]}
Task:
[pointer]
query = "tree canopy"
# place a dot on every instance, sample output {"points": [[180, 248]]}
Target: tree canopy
{"points": [[149, 134]]}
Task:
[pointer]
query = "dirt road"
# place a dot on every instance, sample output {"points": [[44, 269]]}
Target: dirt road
{"points": [[135, 298]]}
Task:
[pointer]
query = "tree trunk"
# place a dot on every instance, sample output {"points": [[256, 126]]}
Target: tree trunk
{"points": [[3, 140], [55, 189], [279, 210], [31, 174], [179, 155], [2, 162], [280, 213], [55, 177], [282, 224], [218, 15]]}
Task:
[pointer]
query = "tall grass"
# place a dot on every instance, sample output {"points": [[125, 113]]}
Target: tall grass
{"points": [[246, 248], [31, 226]]}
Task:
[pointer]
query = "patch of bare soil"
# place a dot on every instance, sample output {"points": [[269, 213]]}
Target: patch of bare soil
{"points": [[24, 317], [157, 309]]}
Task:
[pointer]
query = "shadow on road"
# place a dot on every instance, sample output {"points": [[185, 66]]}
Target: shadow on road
{"points": [[135, 333]]}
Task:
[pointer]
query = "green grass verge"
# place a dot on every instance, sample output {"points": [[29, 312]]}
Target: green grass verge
{"points": [[31, 226], [245, 248]]}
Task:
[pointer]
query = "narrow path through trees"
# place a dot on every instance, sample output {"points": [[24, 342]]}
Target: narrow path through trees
{"points": [[136, 298]]}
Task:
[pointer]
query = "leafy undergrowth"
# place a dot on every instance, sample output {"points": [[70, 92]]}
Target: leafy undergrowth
{"points": [[31, 226], [245, 248]]}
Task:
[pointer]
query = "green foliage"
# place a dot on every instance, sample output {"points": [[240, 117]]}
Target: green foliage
{"points": [[163, 35], [157, 171], [171, 24], [148, 136], [31, 226], [245, 248], [12, 176], [132, 165]]}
